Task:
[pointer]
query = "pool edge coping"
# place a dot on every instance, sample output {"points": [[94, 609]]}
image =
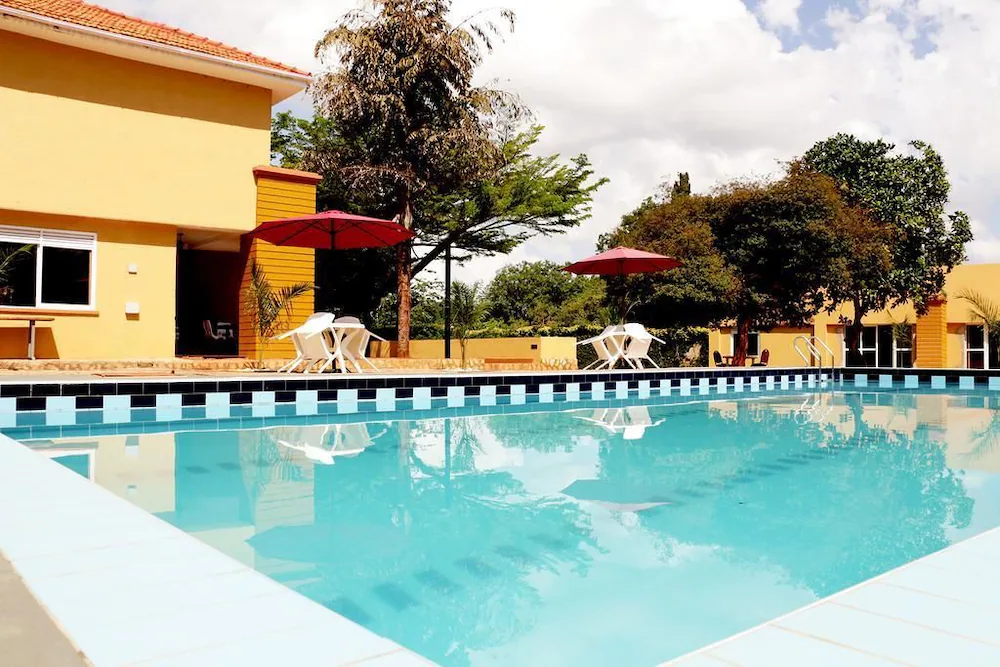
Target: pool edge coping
{"points": [[37, 521], [774, 622]]}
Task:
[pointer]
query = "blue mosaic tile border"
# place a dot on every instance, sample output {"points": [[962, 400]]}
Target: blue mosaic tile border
{"points": [[119, 416], [950, 379], [182, 393]]}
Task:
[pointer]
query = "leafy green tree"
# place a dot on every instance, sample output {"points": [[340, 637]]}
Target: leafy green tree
{"points": [[908, 243], [526, 196], [541, 294], [402, 97], [681, 187], [781, 243], [697, 293]]}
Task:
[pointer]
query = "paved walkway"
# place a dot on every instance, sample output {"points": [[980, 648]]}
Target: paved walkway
{"points": [[28, 637], [942, 610]]}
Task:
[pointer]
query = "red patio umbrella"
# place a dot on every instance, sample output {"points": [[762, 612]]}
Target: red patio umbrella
{"points": [[333, 230], [623, 262]]}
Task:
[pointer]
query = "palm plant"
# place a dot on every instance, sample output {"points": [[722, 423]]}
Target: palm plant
{"points": [[268, 308], [9, 257], [986, 310], [466, 310]]}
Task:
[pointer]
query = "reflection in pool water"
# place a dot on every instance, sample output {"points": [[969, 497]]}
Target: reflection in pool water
{"points": [[598, 536]]}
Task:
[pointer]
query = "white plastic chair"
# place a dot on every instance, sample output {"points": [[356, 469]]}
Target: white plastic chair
{"points": [[355, 344], [310, 343], [637, 346], [607, 345], [315, 442]]}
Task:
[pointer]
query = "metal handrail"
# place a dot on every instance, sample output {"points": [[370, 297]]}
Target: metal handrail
{"points": [[810, 343]]}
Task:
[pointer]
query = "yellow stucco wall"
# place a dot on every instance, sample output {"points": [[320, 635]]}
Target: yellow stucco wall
{"points": [[279, 197], [942, 332], [107, 333], [90, 135]]}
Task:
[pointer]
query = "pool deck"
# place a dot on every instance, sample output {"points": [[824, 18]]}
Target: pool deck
{"points": [[943, 609]]}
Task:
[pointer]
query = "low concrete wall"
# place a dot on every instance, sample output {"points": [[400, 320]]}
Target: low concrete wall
{"points": [[492, 350]]}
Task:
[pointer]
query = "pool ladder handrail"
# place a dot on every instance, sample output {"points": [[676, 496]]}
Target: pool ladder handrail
{"points": [[814, 351]]}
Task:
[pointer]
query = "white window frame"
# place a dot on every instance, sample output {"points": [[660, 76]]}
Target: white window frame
{"points": [[53, 238], [896, 349], [985, 349]]}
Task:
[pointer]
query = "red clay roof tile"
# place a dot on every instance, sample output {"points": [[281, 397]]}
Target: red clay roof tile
{"points": [[93, 16]]}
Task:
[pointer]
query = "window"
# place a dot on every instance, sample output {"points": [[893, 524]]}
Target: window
{"points": [[753, 344], [47, 268], [904, 347], [869, 346], [975, 346], [880, 347]]}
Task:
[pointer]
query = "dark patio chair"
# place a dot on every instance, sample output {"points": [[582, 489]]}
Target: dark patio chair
{"points": [[717, 357], [765, 357]]}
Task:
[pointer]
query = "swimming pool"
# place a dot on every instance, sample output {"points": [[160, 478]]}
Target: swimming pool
{"points": [[588, 532]]}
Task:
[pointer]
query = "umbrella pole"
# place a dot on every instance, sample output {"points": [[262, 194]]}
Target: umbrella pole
{"points": [[331, 272]]}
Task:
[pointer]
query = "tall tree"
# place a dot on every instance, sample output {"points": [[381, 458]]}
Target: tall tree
{"points": [[525, 196], [903, 243], [541, 294], [402, 96], [682, 186], [782, 244], [697, 293]]}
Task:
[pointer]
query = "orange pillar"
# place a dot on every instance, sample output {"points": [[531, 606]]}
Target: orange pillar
{"points": [[932, 336], [281, 193]]}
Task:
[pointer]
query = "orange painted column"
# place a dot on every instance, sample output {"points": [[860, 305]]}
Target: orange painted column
{"points": [[281, 193], [932, 336]]}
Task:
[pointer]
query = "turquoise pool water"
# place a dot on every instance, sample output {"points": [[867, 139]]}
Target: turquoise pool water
{"points": [[580, 535]]}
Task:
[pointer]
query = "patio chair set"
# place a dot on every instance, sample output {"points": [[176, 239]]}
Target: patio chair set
{"points": [[622, 342], [726, 360], [325, 341]]}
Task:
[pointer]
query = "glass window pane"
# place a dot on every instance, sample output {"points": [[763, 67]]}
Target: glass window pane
{"points": [[975, 338], [17, 274], [66, 276], [753, 347], [869, 358], [904, 359], [976, 360], [868, 337]]}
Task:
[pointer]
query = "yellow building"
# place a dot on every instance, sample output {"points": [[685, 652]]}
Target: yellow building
{"points": [[947, 336], [135, 157]]}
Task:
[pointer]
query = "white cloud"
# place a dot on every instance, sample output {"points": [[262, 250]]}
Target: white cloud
{"points": [[648, 88], [781, 13]]}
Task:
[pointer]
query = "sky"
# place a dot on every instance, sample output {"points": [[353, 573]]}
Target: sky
{"points": [[718, 88]]}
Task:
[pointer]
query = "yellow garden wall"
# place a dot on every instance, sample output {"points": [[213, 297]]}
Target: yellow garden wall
{"points": [[533, 349], [90, 135], [107, 333]]}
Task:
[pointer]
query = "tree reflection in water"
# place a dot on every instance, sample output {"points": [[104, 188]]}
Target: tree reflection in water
{"points": [[463, 538]]}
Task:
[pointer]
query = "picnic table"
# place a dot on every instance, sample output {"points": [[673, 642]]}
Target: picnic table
{"points": [[31, 320]]}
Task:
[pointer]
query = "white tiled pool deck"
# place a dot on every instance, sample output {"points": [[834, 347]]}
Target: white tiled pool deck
{"points": [[129, 589], [942, 610]]}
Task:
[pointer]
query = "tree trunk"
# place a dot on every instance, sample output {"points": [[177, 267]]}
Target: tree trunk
{"points": [[404, 269], [742, 341], [854, 331]]}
